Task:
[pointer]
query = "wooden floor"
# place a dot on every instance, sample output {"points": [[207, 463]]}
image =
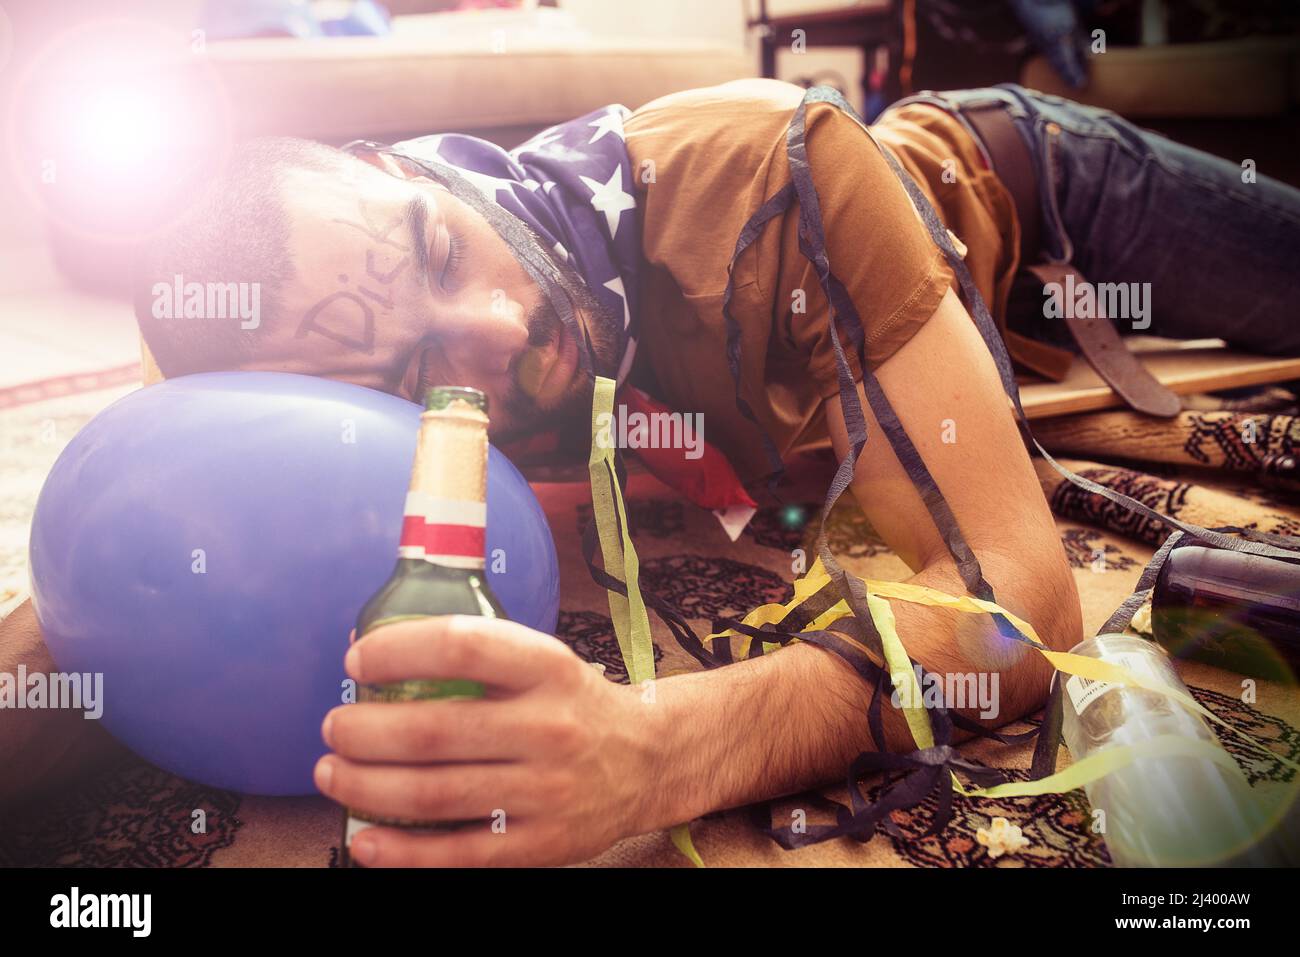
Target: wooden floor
{"points": [[1204, 365]]}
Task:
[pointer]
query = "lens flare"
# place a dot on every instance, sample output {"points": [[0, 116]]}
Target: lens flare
{"points": [[122, 125], [116, 127], [6, 38], [793, 516]]}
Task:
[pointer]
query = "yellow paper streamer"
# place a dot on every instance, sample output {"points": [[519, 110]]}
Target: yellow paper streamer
{"points": [[900, 673], [681, 837], [1090, 668], [1102, 763], [1068, 663], [631, 623], [628, 613]]}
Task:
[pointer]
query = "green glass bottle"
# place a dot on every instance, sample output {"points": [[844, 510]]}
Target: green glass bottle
{"points": [[440, 563]]}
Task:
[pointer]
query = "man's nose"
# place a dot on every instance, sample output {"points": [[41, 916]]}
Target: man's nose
{"points": [[492, 323]]}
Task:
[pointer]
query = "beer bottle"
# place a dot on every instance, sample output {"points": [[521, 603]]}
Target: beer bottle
{"points": [[440, 564], [1230, 609]]}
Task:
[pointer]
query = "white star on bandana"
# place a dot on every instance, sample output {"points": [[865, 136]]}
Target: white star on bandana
{"points": [[611, 122], [609, 198], [615, 286]]}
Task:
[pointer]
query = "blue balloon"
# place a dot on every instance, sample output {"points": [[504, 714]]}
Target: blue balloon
{"points": [[206, 544]]}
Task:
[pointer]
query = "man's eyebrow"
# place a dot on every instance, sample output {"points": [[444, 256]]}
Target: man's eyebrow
{"points": [[416, 215]]}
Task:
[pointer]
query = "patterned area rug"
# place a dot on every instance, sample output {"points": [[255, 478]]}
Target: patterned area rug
{"points": [[133, 814]]}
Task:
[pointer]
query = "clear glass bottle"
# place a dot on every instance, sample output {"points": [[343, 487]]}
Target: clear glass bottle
{"points": [[1163, 811]]}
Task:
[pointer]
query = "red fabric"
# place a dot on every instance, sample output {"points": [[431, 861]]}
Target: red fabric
{"points": [[709, 481]]}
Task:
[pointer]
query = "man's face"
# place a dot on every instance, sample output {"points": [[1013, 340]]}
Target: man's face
{"points": [[400, 286]]}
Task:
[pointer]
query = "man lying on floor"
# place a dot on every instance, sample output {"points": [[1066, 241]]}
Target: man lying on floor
{"points": [[375, 271]]}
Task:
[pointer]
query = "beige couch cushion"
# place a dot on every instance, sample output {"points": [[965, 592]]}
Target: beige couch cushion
{"points": [[419, 80]]}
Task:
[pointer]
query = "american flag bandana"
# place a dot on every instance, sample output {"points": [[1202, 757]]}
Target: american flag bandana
{"points": [[572, 185]]}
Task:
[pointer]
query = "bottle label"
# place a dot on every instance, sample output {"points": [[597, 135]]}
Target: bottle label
{"points": [[356, 823], [354, 827], [1084, 691], [443, 531]]}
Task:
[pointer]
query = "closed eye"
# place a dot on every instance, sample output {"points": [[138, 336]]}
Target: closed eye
{"points": [[455, 257]]}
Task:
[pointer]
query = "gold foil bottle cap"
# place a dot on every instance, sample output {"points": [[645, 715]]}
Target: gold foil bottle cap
{"points": [[451, 454]]}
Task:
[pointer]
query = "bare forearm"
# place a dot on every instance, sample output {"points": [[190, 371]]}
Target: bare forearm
{"points": [[796, 718], [759, 728]]}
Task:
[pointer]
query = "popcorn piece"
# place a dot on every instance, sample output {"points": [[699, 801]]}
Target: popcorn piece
{"points": [[1001, 837], [1141, 622]]}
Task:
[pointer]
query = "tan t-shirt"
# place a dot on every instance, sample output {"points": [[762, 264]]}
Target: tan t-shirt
{"points": [[716, 155]]}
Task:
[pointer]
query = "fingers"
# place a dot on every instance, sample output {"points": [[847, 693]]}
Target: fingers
{"points": [[493, 651], [522, 844], [463, 792], [419, 732]]}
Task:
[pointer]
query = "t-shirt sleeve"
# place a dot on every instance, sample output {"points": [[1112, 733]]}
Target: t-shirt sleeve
{"points": [[877, 246]]}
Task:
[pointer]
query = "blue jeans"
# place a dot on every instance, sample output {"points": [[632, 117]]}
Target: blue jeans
{"points": [[1125, 205]]}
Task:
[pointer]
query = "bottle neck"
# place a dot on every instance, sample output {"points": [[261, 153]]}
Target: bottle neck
{"points": [[445, 517]]}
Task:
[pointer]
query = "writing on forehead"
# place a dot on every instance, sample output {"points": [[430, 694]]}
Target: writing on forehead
{"points": [[347, 315], [377, 226]]}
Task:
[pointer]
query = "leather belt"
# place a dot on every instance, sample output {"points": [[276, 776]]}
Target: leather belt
{"points": [[1096, 337]]}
